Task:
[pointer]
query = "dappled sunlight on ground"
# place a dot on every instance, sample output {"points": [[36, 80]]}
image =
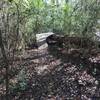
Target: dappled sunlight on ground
{"points": [[51, 74]]}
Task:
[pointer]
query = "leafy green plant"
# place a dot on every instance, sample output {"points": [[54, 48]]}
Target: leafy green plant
{"points": [[21, 82]]}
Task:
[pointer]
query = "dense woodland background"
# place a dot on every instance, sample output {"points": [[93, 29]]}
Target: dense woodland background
{"points": [[20, 21]]}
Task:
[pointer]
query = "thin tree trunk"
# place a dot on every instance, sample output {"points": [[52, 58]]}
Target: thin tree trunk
{"points": [[6, 65], [17, 32], [17, 21]]}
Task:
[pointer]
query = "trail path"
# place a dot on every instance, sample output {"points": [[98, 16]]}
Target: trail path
{"points": [[55, 79], [49, 76]]}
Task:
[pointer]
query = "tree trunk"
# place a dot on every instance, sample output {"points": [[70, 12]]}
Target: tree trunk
{"points": [[6, 65]]}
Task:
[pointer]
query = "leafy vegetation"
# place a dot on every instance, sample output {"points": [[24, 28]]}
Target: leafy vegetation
{"points": [[20, 21]]}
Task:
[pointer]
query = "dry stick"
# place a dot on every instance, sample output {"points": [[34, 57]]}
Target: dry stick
{"points": [[6, 65]]}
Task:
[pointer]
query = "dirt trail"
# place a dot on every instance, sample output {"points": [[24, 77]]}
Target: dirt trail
{"points": [[50, 76]]}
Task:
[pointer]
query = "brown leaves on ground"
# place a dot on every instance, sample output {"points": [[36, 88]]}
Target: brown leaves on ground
{"points": [[43, 75]]}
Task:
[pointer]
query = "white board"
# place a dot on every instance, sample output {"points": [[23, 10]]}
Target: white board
{"points": [[41, 39]]}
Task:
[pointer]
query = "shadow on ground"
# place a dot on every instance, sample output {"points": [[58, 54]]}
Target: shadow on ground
{"points": [[63, 78]]}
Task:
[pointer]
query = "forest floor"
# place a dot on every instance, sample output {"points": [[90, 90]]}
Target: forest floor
{"points": [[48, 74]]}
